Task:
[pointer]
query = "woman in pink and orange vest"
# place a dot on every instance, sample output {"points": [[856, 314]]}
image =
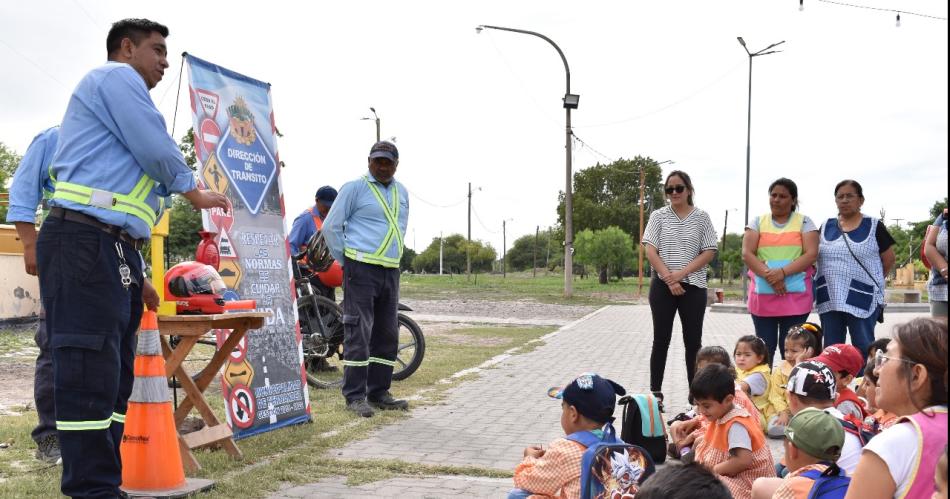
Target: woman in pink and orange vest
{"points": [[912, 383], [779, 248]]}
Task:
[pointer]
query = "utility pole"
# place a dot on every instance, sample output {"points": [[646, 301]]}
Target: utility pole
{"points": [[723, 252], [440, 252], [640, 240], [504, 252], [468, 246], [534, 256]]}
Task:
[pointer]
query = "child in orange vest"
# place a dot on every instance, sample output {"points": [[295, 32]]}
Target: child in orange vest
{"points": [[734, 445]]}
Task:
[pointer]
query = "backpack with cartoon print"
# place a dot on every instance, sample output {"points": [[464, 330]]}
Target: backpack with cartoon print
{"points": [[611, 468]]}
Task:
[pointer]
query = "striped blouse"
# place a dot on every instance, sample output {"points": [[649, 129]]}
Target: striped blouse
{"points": [[680, 240]]}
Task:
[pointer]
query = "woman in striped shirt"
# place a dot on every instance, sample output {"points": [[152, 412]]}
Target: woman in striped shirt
{"points": [[680, 241]]}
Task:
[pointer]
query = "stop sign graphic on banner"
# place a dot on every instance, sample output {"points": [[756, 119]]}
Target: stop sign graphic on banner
{"points": [[222, 219], [208, 137]]}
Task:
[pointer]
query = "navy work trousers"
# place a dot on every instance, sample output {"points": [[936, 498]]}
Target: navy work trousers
{"points": [[370, 328], [91, 320], [43, 384]]}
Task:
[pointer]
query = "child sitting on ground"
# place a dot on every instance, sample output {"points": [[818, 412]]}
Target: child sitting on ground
{"points": [[846, 362], [813, 442], [733, 446], [860, 387], [754, 374], [801, 342], [587, 404], [812, 384], [691, 425], [878, 419]]}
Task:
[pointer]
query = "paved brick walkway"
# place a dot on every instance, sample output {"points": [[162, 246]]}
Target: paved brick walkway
{"points": [[487, 422]]}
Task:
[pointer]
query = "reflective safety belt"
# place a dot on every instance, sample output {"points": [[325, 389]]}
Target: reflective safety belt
{"points": [[132, 203], [118, 418], [391, 211]]}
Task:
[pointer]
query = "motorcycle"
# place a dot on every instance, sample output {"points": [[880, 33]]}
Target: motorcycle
{"points": [[321, 328]]}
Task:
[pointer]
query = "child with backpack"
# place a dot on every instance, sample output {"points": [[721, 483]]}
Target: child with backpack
{"points": [[733, 445], [587, 408], [754, 374], [687, 427], [813, 442], [846, 361], [801, 342], [812, 384]]}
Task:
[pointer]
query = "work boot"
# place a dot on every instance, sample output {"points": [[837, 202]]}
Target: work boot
{"points": [[47, 450], [360, 407], [386, 402]]}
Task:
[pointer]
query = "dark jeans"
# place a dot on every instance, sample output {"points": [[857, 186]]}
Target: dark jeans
{"points": [[91, 320], [836, 325], [773, 330], [370, 329], [43, 384], [664, 306]]}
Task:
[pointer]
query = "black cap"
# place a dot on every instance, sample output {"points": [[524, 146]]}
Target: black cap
{"points": [[384, 149], [592, 396]]}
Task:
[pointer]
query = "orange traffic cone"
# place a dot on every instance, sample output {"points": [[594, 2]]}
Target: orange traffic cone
{"points": [[149, 449]]}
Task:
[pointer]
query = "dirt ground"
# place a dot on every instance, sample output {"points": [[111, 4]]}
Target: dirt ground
{"points": [[18, 358]]}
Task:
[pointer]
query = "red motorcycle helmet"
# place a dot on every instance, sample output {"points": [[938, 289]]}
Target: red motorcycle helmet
{"points": [[193, 278], [333, 276]]}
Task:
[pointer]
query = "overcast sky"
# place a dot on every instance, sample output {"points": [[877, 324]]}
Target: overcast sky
{"points": [[851, 95]]}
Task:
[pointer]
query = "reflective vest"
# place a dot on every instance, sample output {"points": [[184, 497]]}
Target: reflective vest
{"points": [[134, 203], [317, 221], [392, 216]]}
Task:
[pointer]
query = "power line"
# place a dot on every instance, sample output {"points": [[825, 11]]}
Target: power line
{"points": [[668, 106], [453, 205], [34, 63], [897, 11], [483, 223], [588, 146]]}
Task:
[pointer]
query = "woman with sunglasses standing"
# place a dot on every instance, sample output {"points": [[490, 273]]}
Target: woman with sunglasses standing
{"points": [[679, 241], [780, 248], [912, 383], [855, 253]]}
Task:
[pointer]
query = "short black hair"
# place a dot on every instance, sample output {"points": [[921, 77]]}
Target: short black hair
{"points": [[714, 354], [789, 185], [756, 344], [683, 482], [878, 344], [800, 332], [811, 401], [714, 381], [852, 183], [133, 29]]}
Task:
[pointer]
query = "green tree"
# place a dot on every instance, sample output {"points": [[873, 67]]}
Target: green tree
{"points": [[608, 250], [453, 256], [522, 254], [405, 263], [727, 263], [608, 195], [9, 160]]}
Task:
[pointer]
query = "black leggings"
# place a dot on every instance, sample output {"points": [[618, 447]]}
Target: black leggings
{"points": [[663, 306]]}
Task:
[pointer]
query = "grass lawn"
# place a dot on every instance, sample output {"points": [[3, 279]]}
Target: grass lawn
{"points": [[294, 454], [545, 288]]}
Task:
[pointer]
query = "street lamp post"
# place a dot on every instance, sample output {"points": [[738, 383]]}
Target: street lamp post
{"points": [[748, 144], [570, 102], [376, 119], [504, 248]]}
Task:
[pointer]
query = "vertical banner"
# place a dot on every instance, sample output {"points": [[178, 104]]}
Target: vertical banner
{"points": [[264, 382]]}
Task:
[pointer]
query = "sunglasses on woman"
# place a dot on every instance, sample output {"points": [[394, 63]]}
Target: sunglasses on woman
{"points": [[677, 188]]}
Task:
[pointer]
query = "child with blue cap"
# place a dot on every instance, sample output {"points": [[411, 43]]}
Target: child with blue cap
{"points": [[587, 404]]}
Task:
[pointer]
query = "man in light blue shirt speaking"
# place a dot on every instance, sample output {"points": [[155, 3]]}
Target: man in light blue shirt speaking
{"points": [[114, 166], [364, 230]]}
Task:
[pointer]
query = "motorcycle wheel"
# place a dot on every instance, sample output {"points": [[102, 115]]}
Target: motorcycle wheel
{"points": [[324, 360], [412, 348]]}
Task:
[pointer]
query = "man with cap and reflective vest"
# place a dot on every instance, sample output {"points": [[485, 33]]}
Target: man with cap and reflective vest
{"points": [[364, 230], [310, 222], [114, 165]]}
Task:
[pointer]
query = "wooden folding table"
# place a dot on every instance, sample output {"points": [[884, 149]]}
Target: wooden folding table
{"points": [[190, 328]]}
